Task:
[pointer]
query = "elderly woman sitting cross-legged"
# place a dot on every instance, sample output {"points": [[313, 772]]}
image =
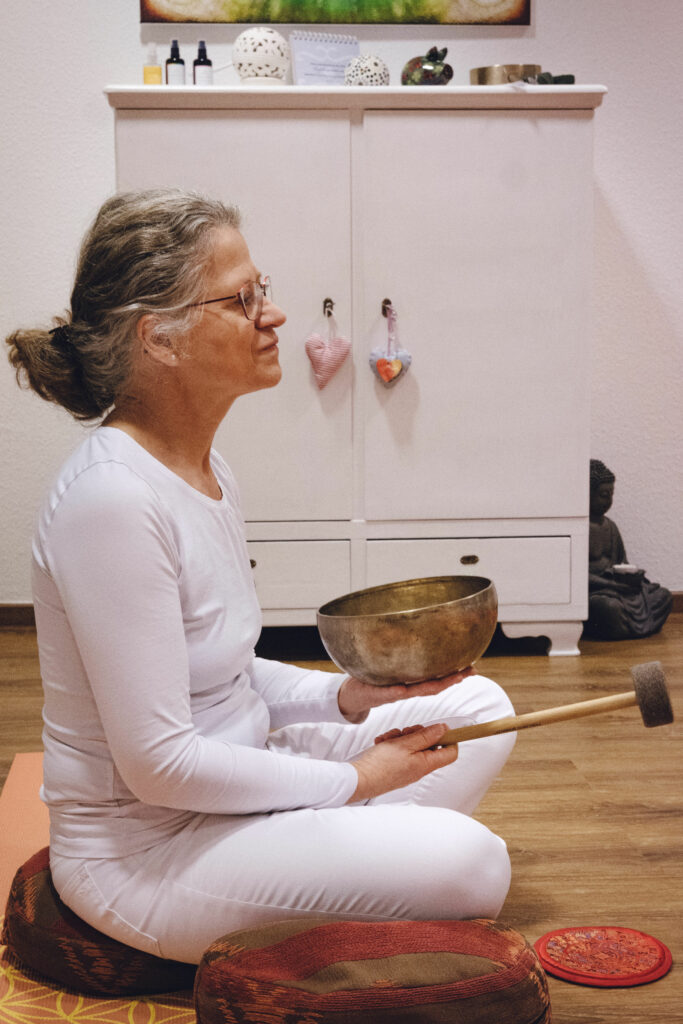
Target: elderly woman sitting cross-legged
{"points": [[194, 788]]}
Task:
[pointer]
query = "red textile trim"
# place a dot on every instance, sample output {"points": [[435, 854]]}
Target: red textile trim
{"points": [[300, 955], [607, 957]]}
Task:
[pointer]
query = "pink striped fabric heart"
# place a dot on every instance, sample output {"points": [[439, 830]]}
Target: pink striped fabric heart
{"points": [[326, 356]]}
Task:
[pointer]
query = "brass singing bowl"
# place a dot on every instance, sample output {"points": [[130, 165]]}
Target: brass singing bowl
{"points": [[503, 74], [410, 631]]}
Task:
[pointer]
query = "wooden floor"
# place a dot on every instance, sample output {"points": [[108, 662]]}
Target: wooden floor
{"points": [[592, 810]]}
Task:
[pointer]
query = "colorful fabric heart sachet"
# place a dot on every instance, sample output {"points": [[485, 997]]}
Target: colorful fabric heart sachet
{"points": [[390, 363]]}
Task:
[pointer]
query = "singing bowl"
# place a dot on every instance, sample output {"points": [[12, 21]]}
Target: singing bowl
{"points": [[412, 630], [503, 74]]}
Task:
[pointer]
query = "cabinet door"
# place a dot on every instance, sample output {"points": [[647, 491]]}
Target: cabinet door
{"points": [[477, 225], [290, 447]]}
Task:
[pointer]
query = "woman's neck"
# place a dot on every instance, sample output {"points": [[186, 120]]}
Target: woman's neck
{"points": [[183, 447]]}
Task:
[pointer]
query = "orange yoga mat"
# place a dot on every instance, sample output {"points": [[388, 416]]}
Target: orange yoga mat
{"points": [[24, 827], [25, 998]]}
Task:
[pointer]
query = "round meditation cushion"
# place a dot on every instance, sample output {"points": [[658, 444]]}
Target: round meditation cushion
{"points": [[353, 972], [44, 935]]}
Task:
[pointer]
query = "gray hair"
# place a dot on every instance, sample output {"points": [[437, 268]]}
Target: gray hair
{"points": [[146, 252]]}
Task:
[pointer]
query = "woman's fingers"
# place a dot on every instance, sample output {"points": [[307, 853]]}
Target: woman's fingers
{"points": [[426, 737], [427, 688], [432, 686], [400, 757], [394, 733]]}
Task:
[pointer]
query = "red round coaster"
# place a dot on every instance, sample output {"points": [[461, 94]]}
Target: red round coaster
{"points": [[608, 957]]}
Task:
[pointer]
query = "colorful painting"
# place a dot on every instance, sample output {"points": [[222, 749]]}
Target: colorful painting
{"points": [[341, 12]]}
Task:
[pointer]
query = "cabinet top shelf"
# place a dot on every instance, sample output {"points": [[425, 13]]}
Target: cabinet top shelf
{"points": [[283, 97]]}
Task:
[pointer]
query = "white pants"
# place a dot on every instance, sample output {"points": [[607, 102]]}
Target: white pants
{"points": [[412, 853]]}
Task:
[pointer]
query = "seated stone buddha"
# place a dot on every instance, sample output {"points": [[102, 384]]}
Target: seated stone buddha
{"points": [[622, 602]]}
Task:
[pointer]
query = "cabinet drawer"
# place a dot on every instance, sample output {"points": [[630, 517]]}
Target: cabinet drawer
{"points": [[300, 574], [525, 570]]}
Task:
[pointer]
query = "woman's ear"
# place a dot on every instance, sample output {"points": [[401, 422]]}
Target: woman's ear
{"points": [[153, 342]]}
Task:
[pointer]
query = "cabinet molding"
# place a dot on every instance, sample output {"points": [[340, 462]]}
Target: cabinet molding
{"points": [[292, 97]]}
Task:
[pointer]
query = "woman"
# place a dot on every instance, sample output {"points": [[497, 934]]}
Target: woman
{"points": [[194, 789]]}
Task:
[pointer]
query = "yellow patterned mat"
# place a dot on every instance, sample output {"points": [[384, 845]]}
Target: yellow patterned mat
{"points": [[27, 999]]}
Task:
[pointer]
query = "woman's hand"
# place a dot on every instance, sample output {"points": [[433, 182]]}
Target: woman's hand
{"points": [[355, 697], [400, 757]]}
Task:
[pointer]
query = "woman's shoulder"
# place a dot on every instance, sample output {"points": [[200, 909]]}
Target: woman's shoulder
{"points": [[105, 452], [102, 490], [101, 473]]}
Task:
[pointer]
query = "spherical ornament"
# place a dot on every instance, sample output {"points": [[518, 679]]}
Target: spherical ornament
{"points": [[261, 54], [366, 70]]}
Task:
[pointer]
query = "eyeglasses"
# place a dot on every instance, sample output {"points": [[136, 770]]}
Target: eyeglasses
{"points": [[251, 296]]}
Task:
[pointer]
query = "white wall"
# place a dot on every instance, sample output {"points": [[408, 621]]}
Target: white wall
{"points": [[57, 165]]}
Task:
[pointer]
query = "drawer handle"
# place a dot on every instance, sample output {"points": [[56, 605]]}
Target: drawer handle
{"points": [[252, 563], [469, 559]]}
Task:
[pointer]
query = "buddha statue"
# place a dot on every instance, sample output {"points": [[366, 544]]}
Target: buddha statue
{"points": [[622, 602]]}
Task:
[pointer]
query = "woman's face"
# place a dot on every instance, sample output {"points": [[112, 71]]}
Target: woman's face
{"points": [[234, 355]]}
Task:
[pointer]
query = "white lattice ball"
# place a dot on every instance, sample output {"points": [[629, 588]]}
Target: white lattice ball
{"points": [[261, 53], [366, 70]]}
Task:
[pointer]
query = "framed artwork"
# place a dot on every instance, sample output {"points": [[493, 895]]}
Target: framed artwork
{"points": [[340, 12]]}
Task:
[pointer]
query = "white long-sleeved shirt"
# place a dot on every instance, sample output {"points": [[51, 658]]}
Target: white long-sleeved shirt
{"points": [[155, 706]]}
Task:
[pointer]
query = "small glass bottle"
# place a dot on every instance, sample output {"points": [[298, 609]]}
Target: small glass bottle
{"points": [[202, 69], [175, 66], [151, 72]]}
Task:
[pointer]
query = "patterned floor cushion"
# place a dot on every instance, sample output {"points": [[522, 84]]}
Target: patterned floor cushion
{"points": [[354, 972], [43, 934]]}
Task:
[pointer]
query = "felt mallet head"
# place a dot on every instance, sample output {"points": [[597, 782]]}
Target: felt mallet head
{"points": [[651, 693]]}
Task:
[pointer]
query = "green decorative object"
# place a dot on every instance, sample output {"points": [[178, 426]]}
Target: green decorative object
{"points": [[431, 69]]}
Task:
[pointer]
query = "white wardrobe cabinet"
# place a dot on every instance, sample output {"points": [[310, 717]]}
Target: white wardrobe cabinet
{"points": [[471, 210]]}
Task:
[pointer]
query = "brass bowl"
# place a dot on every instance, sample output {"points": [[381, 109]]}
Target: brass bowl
{"points": [[503, 74], [409, 631]]}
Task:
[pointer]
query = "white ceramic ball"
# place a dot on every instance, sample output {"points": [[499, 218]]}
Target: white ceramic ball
{"points": [[261, 53], [366, 70]]}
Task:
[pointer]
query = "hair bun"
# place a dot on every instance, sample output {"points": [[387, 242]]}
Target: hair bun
{"points": [[62, 342]]}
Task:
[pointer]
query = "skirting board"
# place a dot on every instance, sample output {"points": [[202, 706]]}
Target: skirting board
{"points": [[14, 616]]}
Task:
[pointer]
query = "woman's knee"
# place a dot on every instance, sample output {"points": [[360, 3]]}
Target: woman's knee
{"points": [[494, 875], [450, 865], [493, 700], [479, 885], [486, 701], [476, 699]]}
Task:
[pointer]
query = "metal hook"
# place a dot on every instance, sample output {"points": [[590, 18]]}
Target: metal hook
{"points": [[328, 306], [386, 306]]}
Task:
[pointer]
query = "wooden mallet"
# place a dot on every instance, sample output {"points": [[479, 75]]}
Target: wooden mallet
{"points": [[649, 693]]}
